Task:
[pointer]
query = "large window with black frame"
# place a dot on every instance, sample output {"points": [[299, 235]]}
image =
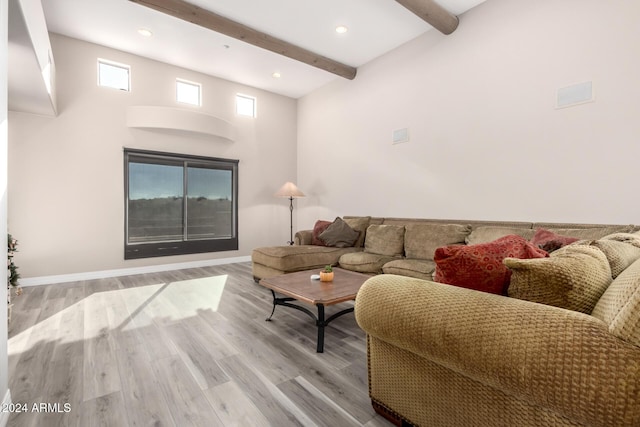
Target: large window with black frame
{"points": [[179, 204]]}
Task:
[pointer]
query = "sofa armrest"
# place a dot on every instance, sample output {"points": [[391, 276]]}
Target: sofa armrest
{"points": [[303, 237], [559, 359]]}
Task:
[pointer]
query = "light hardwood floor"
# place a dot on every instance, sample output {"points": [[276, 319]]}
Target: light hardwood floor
{"points": [[181, 348]]}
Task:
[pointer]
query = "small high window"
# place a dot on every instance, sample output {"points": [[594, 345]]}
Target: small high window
{"points": [[188, 92], [245, 105], [114, 75]]}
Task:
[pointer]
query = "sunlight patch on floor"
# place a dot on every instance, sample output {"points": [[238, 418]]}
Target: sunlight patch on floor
{"points": [[124, 310]]}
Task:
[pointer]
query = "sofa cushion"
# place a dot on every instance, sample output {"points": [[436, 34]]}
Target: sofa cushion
{"points": [[619, 306], [360, 224], [422, 240], [303, 237], [630, 238], [480, 267], [339, 234], [318, 228], [419, 268], [573, 277], [385, 240], [485, 234], [364, 262], [550, 241], [296, 258]]}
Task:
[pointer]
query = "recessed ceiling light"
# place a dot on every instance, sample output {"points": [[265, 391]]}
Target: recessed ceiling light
{"points": [[276, 75], [341, 29], [145, 32]]}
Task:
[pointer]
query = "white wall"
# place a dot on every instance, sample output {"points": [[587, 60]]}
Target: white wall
{"points": [[486, 140], [4, 374], [66, 173]]}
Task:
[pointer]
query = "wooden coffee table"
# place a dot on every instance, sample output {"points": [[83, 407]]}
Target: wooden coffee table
{"points": [[299, 286]]}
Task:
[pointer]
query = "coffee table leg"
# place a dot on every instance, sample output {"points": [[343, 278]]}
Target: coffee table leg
{"points": [[321, 324], [320, 320], [286, 302], [268, 319]]}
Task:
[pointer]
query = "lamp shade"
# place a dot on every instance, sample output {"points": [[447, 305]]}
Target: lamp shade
{"points": [[289, 189]]}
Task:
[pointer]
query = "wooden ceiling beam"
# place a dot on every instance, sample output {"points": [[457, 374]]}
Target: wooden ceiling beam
{"points": [[434, 14], [207, 19]]}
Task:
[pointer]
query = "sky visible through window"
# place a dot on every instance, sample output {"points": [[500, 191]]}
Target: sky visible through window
{"points": [[187, 92], [245, 105], [112, 75], [149, 181]]}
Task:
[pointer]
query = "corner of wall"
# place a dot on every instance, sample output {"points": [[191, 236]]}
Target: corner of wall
{"points": [[4, 415], [4, 375]]}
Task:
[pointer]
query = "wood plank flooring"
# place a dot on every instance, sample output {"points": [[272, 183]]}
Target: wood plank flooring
{"points": [[181, 348]]}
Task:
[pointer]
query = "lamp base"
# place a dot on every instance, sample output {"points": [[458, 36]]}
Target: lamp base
{"points": [[290, 242]]}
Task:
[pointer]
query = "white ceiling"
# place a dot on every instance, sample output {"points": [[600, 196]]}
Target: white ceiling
{"points": [[375, 27]]}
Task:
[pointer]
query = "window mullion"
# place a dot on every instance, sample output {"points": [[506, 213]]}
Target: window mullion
{"points": [[185, 199]]}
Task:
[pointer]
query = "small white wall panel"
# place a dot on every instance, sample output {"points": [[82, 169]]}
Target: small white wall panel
{"points": [[574, 95]]}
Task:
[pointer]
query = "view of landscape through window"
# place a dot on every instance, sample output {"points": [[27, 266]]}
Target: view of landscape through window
{"points": [[174, 200]]}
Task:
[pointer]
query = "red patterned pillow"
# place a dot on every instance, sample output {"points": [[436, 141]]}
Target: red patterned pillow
{"points": [[318, 228], [480, 266], [549, 241]]}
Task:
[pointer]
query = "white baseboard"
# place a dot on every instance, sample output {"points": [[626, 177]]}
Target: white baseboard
{"points": [[4, 415], [90, 275]]}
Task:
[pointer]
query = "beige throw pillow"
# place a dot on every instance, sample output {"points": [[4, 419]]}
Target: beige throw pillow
{"points": [[573, 277], [385, 240], [619, 307], [630, 238], [619, 254]]}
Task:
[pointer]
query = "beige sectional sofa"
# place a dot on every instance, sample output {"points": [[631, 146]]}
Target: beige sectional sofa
{"points": [[562, 349], [403, 246]]}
